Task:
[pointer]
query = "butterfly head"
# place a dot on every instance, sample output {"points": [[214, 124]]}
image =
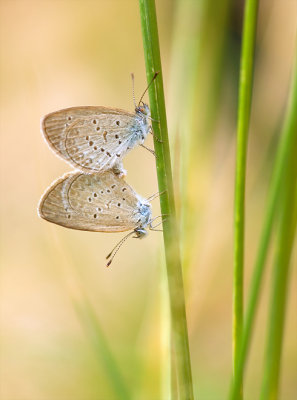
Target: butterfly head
{"points": [[143, 110], [140, 233]]}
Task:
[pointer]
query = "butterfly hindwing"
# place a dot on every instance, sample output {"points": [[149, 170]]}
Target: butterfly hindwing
{"points": [[93, 202]]}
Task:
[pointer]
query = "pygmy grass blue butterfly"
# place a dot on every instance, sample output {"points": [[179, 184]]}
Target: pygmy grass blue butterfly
{"points": [[95, 139], [97, 202]]}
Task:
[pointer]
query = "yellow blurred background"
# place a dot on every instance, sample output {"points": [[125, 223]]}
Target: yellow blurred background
{"points": [[57, 54]]}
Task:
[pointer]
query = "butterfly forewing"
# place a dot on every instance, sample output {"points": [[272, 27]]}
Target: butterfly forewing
{"points": [[98, 202], [89, 138]]}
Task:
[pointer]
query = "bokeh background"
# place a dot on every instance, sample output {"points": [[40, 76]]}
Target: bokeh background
{"points": [[56, 54]]}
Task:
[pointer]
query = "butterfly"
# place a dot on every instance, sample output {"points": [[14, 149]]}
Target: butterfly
{"points": [[96, 202], [95, 139]]}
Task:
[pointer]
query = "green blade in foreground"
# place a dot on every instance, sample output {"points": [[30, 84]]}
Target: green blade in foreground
{"points": [[170, 231], [243, 123]]}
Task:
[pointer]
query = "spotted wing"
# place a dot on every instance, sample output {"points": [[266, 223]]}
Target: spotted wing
{"points": [[90, 138], [91, 202]]}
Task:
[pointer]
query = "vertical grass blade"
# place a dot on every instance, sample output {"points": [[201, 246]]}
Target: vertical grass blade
{"points": [[286, 233], [244, 110], [199, 48], [170, 231], [101, 349], [285, 241], [287, 141], [89, 322]]}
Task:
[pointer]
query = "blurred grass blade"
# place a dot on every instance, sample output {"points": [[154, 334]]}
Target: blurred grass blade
{"points": [[199, 49], [165, 338], [287, 143], [280, 287], [101, 348], [170, 231], [285, 241], [244, 111]]}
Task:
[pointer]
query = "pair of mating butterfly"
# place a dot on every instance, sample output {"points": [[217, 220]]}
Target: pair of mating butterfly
{"points": [[94, 140]]}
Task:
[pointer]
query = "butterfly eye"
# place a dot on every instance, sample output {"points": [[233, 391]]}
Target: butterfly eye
{"points": [[140, 110]]}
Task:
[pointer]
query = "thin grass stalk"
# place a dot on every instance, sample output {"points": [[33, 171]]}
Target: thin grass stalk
{"points": [[199, 44], [89, 321], [170, 230], [180, 84], [275, 331], [287, 140], [280, 284], [165, 339], [244, 111], [101, 349]]}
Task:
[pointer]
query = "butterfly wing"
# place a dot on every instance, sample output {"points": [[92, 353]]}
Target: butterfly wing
{"points": [[90, 138], [93, 202]]}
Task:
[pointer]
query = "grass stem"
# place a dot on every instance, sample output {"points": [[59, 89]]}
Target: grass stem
{"points": [[170, 231], [244, 111], [287, 140], [280, 284], [101, 349]]}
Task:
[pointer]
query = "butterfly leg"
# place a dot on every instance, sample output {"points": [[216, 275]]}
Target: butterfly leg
{"points": [[153, 228], [155, 195], [156, 230], [148, 149], [152, 119], [155, 137]]}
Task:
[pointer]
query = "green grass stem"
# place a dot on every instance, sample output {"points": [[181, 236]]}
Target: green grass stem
{"points": [[198, 50], [101, 349], [87, 317], [287, 141], [270, 382], [280, 283], [244, 111], [165, 182]]}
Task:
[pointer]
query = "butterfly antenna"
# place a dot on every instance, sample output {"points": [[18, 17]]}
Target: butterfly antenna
{"points": [[154, 77], [116, 248], [133, 89]]}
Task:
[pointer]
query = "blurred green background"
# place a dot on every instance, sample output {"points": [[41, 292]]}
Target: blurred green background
{"points": [[56, 54]]}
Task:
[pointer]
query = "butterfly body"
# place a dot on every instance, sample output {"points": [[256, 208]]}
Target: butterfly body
{"points": [[141, 126], [95, 139]]}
